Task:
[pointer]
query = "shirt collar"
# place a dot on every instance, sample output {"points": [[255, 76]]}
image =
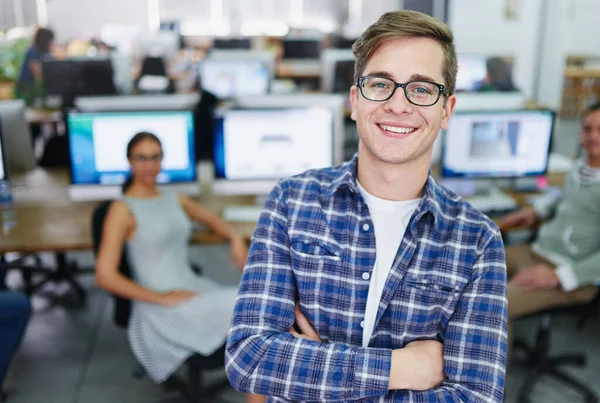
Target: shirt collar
{"points": [[432, 199]]}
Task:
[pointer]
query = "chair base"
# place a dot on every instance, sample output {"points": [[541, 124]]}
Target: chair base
{"points": [[65, 271], [540, 363]]}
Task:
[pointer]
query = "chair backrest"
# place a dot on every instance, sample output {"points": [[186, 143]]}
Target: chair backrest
{"points": [[122, 305]]}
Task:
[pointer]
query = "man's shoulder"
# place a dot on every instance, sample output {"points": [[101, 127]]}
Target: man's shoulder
{"points": [[313, 181]]}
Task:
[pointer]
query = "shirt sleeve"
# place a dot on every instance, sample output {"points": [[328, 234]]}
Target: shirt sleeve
{"points": [[579, 273], [475, 340], [263, 358]]}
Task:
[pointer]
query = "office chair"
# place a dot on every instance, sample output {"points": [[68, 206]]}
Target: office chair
{"points": [[193, 388], [540, 362]]}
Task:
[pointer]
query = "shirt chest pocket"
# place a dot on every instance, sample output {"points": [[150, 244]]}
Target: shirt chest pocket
{"points": [[431, 300]]}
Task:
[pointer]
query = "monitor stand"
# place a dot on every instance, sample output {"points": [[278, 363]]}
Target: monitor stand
{"points": [[249, 213]]}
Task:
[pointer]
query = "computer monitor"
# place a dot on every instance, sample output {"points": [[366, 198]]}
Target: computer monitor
{"points": [[3, 173], [472, 69], [337, 70], [301, 48], [98, 143], [256, 147], [18, 148], [137, 103], [266, 57], [71, 78], [227, 79], [502, 144], [232, 43]]}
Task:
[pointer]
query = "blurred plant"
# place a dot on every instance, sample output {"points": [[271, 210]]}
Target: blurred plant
{"points": [[11, 58]]}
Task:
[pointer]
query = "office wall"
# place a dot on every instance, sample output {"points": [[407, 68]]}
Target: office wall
{"points": [[85, 18], [583, 38], [481, 26]]}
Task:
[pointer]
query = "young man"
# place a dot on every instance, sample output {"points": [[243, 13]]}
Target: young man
{"points": [[562, 267], [404, 283]]}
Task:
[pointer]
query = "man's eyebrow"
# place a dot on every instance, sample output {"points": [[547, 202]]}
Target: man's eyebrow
{"points": [[422, 78], [385, 74]]}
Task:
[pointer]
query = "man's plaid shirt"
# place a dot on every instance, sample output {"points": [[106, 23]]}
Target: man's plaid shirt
{"points": [[313, 242]]}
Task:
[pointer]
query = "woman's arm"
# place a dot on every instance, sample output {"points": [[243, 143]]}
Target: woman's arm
{"points": [[117, 225], [239, 251], [199, 214]]}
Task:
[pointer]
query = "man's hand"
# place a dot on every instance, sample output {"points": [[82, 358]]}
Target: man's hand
{"points": [[417, 366], [305, 327], [540, 276], [523, 218]]}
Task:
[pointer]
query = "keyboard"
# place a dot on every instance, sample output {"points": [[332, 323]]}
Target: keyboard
{"points": [[494, 204], [242, 213]]}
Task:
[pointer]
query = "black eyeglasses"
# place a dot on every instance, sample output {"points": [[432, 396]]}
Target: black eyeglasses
{"points": [[418, 92], [140, 158]]}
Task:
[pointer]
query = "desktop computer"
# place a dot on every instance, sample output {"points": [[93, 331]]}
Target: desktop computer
{"points": [[232, 43], [70, 78], [18, 147], [98, 143], [254, 148], [3, 173], [337, 70], [301, 48], [227, 79], [496, 145], [472, 69]]}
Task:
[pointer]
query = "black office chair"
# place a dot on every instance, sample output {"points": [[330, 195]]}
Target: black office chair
{"points": [[193, 388], [540, 362]]}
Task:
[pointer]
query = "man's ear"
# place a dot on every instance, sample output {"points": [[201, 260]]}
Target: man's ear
{"points": [[448, 110], [353, 101]]}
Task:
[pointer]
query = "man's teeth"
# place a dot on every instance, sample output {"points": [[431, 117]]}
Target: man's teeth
{"points": [[396, 129]]}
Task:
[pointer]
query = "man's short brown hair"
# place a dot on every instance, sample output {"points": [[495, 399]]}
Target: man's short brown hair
{"points": [[407, 24]]}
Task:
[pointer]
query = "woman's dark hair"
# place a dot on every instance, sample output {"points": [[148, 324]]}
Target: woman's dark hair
{"points": [[42, 39], [135, 140]]}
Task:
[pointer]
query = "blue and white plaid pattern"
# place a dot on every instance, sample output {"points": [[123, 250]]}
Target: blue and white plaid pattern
{"points": [[313, 242]]}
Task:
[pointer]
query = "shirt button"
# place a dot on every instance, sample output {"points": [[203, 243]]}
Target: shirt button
{"points": [[366, 227], [366, 275], [362, 323]]}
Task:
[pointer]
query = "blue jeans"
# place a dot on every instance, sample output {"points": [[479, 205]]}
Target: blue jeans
{"points": [[15, 309]]}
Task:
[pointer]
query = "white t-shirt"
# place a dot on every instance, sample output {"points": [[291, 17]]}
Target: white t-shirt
{"points": [[390, 219]]}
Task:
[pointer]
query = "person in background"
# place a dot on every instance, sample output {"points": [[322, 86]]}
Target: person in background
{"points": [[30, 78], [562, 266], [498, 77], [175, 313], [396, 286], [15, 310]]}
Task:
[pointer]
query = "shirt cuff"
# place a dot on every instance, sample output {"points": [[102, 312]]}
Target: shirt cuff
{"points": [[567, 277], [372, 372]]}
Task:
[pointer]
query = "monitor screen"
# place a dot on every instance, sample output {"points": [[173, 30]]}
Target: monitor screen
{"points": [[497, 144], [472, 70], [75, 77], [343, 76], [232, 43], [230, 78], [254, 144], [301, 49], [98, 144]]}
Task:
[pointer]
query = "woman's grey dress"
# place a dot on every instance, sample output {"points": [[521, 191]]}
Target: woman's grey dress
{"points": [[162, 338]]}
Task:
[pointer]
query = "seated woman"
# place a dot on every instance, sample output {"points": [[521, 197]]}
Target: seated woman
{"points": [[175, 313]]}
